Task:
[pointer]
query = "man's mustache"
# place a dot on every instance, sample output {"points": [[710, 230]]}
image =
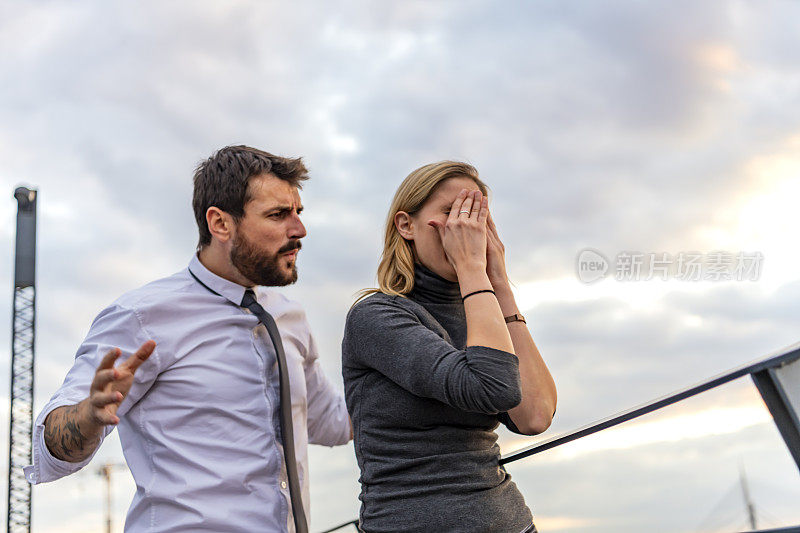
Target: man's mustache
{"points": [[291, 245]]}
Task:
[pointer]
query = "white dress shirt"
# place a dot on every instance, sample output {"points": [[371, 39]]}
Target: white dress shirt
{"points": [[200, 426]]}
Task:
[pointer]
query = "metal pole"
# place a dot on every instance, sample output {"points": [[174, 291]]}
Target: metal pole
{"points": [[748, 502], [105, 471], [23, 327]]}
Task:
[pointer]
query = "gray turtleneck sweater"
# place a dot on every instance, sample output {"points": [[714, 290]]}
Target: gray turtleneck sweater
{"points": [[424, 408]]}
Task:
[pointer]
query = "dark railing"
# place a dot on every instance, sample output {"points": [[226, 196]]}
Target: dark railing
{"points": [[776, 376], [761, 371], [353, 523]]}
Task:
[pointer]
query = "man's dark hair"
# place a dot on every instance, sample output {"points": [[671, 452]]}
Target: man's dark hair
{"points": [[222, 181]]}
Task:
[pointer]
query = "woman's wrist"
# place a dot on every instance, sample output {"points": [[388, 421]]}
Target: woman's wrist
{"points": [[472, 279], [505, 297], [499, 282]]}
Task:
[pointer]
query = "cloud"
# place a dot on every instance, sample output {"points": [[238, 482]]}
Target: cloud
{"points": [[628, 126], [667, 486]]}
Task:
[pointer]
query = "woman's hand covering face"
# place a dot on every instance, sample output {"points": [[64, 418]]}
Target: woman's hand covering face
{"points": [[495, 255], [464, 235]]}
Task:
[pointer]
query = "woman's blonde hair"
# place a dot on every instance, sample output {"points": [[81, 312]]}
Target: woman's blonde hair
{"points": [[396, 269]]}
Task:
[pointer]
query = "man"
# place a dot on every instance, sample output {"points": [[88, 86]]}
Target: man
{"points": [[197, 399]]}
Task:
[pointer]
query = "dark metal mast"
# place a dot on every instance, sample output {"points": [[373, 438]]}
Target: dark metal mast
{"points": [[22, 356], [748, 502]]}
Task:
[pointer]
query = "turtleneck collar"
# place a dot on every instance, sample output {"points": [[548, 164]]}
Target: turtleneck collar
{"points": [[430, 287]]}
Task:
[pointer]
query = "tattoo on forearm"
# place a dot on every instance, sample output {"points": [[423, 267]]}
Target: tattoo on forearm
{"points": [[64, 437]]}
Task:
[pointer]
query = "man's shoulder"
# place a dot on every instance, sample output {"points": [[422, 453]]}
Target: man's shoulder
{"points": [[278, 304], [163, 291]]}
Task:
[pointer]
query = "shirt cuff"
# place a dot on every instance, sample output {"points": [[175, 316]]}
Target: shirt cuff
{"points": [[336, 430], [45, 466], [343, 424]]}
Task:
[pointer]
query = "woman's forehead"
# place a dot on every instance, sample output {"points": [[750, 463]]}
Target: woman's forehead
{"points": [[447, 190]]}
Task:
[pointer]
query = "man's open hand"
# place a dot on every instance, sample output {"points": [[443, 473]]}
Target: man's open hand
{"points": [[73, 432], [111, 384]]}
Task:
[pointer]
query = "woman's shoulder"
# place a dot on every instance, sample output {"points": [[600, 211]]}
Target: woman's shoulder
{"points": [[379, 304], [388, 311], [371, 321]]}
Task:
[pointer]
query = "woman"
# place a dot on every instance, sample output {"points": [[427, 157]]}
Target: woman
{"points": [[431, 366]]}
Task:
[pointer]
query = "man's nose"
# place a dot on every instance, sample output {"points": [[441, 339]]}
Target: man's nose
{"points": [[297, 230]]}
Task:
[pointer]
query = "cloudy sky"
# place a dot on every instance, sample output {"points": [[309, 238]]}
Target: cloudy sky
{"points": [[653, 127]]}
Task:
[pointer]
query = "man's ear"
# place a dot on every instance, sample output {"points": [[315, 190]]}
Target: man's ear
{"points": [[220, 224], [404, 225]]}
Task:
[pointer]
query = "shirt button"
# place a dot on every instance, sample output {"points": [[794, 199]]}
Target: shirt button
{"points": [[283, 484]]}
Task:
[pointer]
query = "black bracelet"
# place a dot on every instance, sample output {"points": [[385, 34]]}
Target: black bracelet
{"points": [[476, 292]]}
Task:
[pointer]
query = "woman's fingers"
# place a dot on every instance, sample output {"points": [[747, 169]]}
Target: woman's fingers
{"points": [[492, 228], [438, 225], [466, 206], [456, 207], [483, 212], [476, 204]]}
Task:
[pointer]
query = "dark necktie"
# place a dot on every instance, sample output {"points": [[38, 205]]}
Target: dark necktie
{"points": [[249, 301]]}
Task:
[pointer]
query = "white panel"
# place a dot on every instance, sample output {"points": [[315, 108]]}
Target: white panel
{"points": [[789, 378]]}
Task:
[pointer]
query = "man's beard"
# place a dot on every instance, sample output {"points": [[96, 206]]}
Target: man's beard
{"points": [[260, 268]]}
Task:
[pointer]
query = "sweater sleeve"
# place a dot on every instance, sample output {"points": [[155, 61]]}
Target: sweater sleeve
{"points": [[383, 335], [505, 419]]}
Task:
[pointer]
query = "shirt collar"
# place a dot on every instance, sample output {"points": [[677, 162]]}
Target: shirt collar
{"points": [[228, 289]]}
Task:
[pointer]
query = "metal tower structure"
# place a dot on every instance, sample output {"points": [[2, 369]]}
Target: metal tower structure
{"points": [[22, 356], [748, 501], [105, 471]]}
